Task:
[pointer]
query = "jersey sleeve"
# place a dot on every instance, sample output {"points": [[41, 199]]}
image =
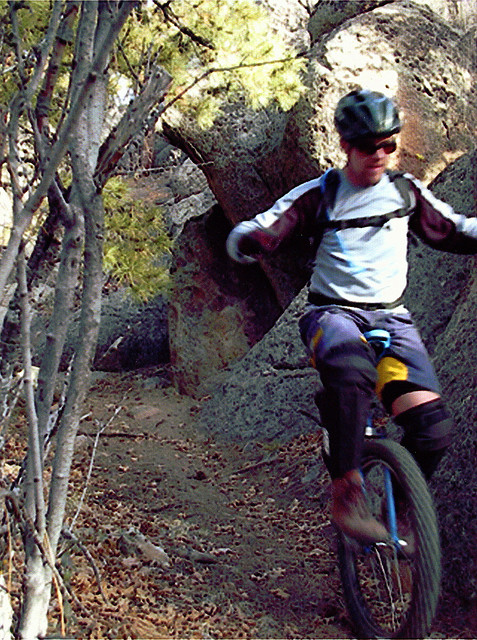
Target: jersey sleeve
{"points": [[292, 213], [438, 225]]}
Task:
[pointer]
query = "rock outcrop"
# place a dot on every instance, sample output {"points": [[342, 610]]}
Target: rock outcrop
{"points": [[250, 159], [447, 316], [226, 307]]}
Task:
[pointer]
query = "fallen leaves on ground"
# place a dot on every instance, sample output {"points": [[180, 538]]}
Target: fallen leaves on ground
{"points": [[184, 536]]}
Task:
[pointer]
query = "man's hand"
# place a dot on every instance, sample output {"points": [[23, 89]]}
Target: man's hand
{"points": [[241, 247]]}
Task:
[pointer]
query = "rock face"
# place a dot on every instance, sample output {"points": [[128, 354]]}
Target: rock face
{"points": [[132, 334], [250, 159], [452, 299], [226, 306], [268, 395]]}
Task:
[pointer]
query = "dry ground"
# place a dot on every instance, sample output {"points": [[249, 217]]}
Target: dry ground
{"points": [[196, 538]]}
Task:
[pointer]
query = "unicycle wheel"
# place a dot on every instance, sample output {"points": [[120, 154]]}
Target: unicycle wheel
{"points": [[391, 589]]}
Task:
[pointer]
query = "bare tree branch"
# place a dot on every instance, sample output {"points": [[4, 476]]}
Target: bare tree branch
{"points": [[35, 504], [170, 16], [58, 150], [99, 433], [133, 119], [66, 533]]}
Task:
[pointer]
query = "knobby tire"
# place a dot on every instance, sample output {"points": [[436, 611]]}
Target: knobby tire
{"points": [[389, 595]]}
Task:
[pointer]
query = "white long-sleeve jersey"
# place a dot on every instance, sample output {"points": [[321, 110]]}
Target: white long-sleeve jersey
{"points": [[366, 264]]}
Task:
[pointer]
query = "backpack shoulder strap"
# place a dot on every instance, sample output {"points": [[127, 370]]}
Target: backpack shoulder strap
{"points": [[404, 187], [329, 188]]}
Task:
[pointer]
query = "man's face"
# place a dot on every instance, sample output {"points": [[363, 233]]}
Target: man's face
{"points": [[368, 159]]}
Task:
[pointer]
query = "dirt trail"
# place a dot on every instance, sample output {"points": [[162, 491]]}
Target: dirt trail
{"points": [[245, 545]]}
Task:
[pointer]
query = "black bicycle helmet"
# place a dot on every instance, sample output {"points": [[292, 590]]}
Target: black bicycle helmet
{"points": [[363, 113]]}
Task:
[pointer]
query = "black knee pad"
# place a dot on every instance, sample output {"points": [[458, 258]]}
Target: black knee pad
{"points": [[427, 426], [344, 410], [427, 433], [348, 376]]}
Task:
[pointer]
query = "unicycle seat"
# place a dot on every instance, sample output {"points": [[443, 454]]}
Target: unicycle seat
{"points": [[379, 339]]}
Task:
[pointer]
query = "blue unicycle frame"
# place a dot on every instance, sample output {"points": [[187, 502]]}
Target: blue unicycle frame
{"points": [[380, 340]]}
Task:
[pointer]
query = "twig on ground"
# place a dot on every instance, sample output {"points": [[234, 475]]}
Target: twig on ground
{"points": [[90, 468], [70, 536], [256, 465]]}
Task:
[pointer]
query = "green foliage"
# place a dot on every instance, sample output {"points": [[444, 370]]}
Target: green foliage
{"points": [[215, 50], [219, 49], [32, 21], [136, 243]]}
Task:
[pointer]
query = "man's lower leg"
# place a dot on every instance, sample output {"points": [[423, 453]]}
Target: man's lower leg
{"points": [[344, 411]]}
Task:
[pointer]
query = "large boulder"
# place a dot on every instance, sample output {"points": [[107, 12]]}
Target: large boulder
{"points": [[132, 333], [252, 158], [447, 315], [215, 309], [268, 394]]}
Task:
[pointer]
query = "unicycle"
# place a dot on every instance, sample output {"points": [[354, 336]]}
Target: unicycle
{"points": [[391, 588]]}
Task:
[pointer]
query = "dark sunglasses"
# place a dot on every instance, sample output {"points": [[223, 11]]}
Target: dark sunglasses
{"points": [[370, 148]]}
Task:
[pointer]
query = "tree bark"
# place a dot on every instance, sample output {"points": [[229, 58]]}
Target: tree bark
{"points": [[97, 32], [34, 501], [329, 14]]}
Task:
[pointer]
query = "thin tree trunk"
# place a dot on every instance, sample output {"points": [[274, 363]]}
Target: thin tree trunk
{"points": [[84, 157], [86, 206], [80, 377], [6, 611], [60, 319], [37, 571]]}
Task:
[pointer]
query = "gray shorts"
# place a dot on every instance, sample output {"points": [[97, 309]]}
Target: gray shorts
{"points": [[326, 329]]}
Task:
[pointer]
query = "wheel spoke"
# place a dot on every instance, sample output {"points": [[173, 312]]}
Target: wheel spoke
{"points": [[391, 591]]}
